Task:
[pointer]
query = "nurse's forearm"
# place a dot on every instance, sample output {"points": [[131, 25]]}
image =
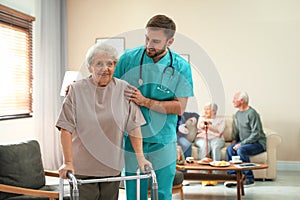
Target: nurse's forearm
{"points": [[176, 106]]}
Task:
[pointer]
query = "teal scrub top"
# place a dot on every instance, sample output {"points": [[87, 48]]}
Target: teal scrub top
{"points": [[159, 84]]}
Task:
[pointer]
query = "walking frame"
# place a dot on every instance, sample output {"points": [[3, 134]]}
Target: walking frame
{"points": [[75, 182]]}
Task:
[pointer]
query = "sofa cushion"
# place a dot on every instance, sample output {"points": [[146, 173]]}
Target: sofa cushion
{"points": [[187, 126], [228, 129], [21, 165], [260, 158]]}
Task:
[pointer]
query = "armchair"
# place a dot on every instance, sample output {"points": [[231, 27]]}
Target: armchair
{"points": [[22, 175]]}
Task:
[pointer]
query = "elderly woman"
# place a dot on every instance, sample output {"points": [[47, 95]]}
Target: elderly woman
{"points": [[94, 116], [210, 143], [215, 127]]}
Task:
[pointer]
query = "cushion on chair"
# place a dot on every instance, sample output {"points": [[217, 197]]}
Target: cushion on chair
{"points": [[21, 165], [178, 179]]}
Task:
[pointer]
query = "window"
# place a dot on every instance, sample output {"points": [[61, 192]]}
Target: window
{"points": [[15, 64]]}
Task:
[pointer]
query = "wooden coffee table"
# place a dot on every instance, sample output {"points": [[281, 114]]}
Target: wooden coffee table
{"points": [[239, 177]]}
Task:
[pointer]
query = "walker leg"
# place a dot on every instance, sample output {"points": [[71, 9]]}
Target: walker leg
{"points": [[138, 195], [61, 189]]}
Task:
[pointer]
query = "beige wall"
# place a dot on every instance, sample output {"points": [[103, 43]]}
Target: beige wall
{"points": [[253, 44]]}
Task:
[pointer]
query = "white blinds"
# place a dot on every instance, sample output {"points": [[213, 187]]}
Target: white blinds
{"points": [[15, 63]]}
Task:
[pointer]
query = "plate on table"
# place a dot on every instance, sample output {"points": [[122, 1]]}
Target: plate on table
{"points": [[236, 161], [203, 163], [219, 163]]}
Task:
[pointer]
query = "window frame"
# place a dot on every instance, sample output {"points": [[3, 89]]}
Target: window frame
{"points": [[18, 20]]}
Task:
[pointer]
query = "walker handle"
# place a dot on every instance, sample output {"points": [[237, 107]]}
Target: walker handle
{"points": [[69, 175], [75, 191], [147, 169]]}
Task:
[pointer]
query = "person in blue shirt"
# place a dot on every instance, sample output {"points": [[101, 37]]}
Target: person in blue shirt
{"points": [[161, 82]]}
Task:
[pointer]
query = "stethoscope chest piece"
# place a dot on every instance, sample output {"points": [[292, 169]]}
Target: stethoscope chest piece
{"points": [[140, 82]]}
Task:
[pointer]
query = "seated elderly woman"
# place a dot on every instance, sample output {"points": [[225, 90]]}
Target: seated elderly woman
{"points": [[210, 139], [215, 127], [94, 116]]}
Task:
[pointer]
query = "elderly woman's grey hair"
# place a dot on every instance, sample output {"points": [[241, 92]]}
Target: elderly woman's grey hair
{"points": [[213, 106], [100, 48], [244, 95]]}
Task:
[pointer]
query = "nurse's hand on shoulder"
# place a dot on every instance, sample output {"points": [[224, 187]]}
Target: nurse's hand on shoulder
{"points": [[134, 94]]}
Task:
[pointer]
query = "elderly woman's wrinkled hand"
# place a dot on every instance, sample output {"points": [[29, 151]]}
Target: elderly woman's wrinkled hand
{"points": [[64, 169]]}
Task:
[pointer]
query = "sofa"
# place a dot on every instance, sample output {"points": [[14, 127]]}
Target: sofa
{"points": [[269, 156]]}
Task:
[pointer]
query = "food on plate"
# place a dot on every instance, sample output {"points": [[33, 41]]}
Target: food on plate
{"points": [[206, 160], [220, 163]]}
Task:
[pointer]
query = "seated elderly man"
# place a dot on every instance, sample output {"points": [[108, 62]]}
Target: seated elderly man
{"points": [[248, 135]]}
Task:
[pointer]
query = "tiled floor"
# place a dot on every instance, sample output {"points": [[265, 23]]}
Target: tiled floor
{"points": [[285, 187]]}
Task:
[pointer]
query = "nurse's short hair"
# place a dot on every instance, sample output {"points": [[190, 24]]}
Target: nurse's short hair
{"points": [[100, 48], [162, 22]]}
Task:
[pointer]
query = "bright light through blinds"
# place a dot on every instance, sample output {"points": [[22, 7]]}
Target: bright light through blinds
{"points": [[15, 79]]}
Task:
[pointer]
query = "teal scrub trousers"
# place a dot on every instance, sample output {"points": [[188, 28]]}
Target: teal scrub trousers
{"points": [[163, 159]]}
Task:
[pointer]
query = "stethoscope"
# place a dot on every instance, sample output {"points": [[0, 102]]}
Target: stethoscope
{"points": [[140, 81]]}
